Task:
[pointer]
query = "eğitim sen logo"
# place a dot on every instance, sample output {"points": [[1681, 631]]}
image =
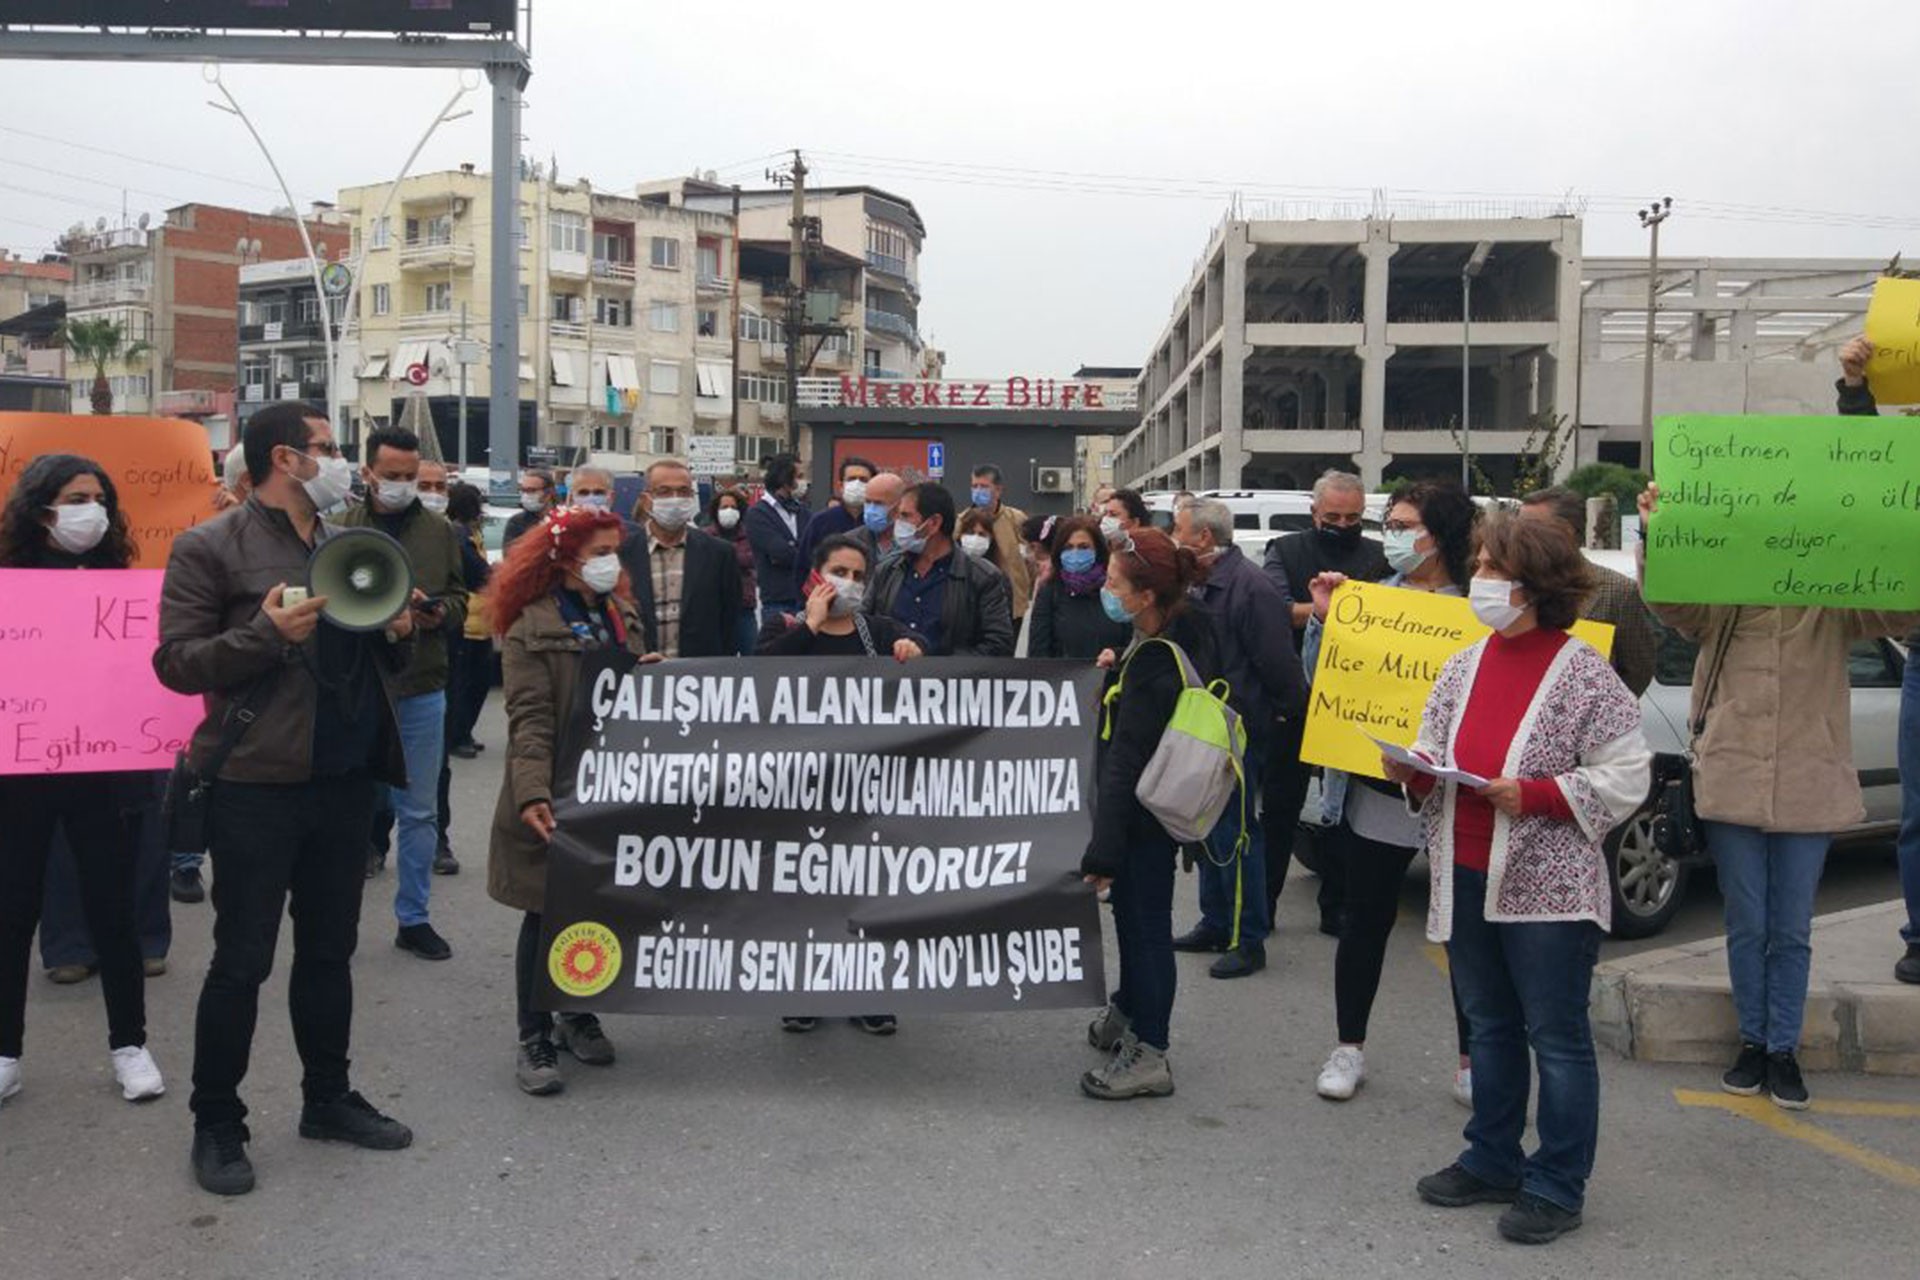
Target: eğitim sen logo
{"points": [[585, 959]]}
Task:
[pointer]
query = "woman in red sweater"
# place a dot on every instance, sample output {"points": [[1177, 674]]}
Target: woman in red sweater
{"points": [[1520, 891]]}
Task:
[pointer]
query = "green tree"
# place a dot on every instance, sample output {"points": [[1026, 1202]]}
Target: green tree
{"points": [[1596, 478], [100, 343]]}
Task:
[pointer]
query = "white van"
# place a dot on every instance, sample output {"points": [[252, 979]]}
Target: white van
{"points": [[1261, 515]]}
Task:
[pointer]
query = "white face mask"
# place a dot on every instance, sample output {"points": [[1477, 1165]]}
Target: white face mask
{"points": [[601, 574], [799, 489], [847, 594], [594, 501], [1492, 601], [329, 486], [854, 493], [78, 527], [728, 517], [975, 544], [674, 513], [533, 502], [395, 495], [1109, 527], [434, 502]]}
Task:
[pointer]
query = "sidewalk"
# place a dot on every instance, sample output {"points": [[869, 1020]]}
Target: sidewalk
{"points": [[1674, 1004]]}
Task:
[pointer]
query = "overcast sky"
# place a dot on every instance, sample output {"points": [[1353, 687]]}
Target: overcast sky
{"points": [[993, 118]]}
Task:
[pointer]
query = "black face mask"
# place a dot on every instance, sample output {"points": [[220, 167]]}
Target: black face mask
{"points": [[1339, 537]]}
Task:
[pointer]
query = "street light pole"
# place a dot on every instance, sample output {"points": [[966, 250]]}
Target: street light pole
{"points": [[1475, 264], [1651, 218]]}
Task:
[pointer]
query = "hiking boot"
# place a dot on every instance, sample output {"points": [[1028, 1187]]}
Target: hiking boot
{"points": [[351, 1118], [69, 974], [537, 1068], [220, 1163], [1907, 967], [1200, 938], [444, 863], [1784, 1084], [136, 1073], [1455, 1188], [1748, 1072], [186, 886], [422, 941], [877, 1024], [580, 1035], [1107, 1031], [1243, 961], [799, 1026], [1136, 1070], [1531, 1220]]}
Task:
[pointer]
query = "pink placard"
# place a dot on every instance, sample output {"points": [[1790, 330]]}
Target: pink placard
{"points": [[77, 689]]}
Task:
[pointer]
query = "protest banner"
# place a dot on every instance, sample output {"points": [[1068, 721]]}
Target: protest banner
{"points": [[824, 836], [162, 468], [1786, 511], [77, 688], [1380, 653], [1893, 327]]}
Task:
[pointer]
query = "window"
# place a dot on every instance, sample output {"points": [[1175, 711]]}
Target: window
{"points": [[761, 329], [440, 297], [873, 360], [614, 311], [890, 242], [382, 233], [569, 308], [520, 232], [666, 253], [382, 299], [664, 317], [708, 261], [755, 449], [609, 247], [763, 388], [309, 309], [663, 379], [612, 437], [710, 379], [526, 302], [274, 312], [254, 374], [313, 371], [567, 232], [707, 322], [663, 440]]}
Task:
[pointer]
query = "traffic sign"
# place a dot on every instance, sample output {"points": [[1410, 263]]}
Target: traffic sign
{"points": [[711, 455], [936, 459]]}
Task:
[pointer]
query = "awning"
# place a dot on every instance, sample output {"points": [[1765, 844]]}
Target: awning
{"points": [[713, 378], [564, 373], [375, 367], [526, 368], [407, 355], [623, 372]]}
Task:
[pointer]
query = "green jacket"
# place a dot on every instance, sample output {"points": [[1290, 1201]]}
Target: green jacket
{"points": [[434, 548]]}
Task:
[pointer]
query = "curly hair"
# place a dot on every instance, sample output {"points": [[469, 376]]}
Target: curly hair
{"points": [[1449, 515], [23, 531], [538, 560], [1547, 564]]}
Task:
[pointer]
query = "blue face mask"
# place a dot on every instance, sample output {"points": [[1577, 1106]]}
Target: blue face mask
{"points": [[982, 496], [1077, 559], [907, 537], [874, 515], [1115, 609], [1401, 553]]}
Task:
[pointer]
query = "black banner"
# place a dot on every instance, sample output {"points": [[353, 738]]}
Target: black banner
{"points": [[824, 836]]}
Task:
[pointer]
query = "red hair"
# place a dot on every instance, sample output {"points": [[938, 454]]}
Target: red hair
{"points": [[538, 561], [1159, 566]]}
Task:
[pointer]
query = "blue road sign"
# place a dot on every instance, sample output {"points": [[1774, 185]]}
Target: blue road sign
{"points": [[936, 459]]}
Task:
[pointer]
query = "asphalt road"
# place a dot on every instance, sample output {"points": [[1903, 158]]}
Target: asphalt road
{"points": [[722, 1148]]}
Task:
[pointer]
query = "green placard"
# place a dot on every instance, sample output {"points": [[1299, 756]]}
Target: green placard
{"points": [[1786, 511]]}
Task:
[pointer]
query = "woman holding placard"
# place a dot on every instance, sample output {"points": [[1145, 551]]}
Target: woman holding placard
{"points": [[1429, 543], [64, 513], [1773, 778], [1520, 894]]}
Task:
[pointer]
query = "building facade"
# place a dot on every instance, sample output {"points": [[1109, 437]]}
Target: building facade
{"points": [[283, 345], [31, 287]]}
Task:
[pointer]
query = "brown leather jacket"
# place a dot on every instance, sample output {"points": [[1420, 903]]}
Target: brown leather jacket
{"points": [[216, 641]]}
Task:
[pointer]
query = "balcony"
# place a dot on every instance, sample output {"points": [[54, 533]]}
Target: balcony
{"points": [[282, 331], [609, 270], [434, 321], [896, 267], [893, 325], [567, 330], [435, 253], [107, 293], [567, 262], [712, 283]]}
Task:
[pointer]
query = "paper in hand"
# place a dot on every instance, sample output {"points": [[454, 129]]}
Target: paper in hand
{"points": [[1401, 755]]}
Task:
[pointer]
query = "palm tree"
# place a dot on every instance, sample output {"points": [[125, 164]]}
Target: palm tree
{"points": [[100, 343]]}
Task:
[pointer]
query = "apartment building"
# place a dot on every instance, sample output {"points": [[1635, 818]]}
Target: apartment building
{"points": [[283, 344], [175, 286], [26, 288], [1093, 456], [1298, 345]]}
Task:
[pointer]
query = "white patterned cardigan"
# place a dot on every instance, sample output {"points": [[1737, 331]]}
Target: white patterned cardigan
{"points": [[1582, 729]]}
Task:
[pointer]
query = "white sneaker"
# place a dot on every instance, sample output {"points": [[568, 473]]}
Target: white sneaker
{"points": [[1341, 1077], [9, 1077], [1463, 1087], [139, 1078]]}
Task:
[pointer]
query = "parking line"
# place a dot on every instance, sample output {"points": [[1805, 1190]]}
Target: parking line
{"points": [[1765, 1114]]}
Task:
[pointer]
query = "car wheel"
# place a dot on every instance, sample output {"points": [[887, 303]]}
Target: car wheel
{"points": [[1648, 886]]}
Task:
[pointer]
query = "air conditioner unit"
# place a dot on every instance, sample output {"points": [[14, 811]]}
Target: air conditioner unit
{"points": [[1053, 479]]}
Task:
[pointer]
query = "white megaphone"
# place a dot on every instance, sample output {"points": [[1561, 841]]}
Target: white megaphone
{"points": [[365, 576]]}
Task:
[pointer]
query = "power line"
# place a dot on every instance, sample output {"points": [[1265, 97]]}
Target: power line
{"points": [[9, 163], [123, 155]]}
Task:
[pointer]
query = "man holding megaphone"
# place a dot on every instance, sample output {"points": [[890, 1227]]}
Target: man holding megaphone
{"points": [[438, 602], [279, 781]]}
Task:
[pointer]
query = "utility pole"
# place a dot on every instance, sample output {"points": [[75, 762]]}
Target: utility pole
{"points": [[796, 288], [733, 323], [460, 358], [1651, 217], [1475, 264]]}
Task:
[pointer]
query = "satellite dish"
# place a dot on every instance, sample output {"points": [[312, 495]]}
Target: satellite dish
{"points": [[320, 249], [240, 247], [255, 247], [145, 218]]}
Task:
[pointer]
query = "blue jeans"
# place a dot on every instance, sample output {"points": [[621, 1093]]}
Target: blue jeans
{"points": [[1217, 882], [1142, 901], [774, 610], [1520, 985], [423, 720], [1910, 798], [749, 631], [1767, 879]]}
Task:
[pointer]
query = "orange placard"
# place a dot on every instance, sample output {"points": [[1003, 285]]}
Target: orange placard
{"points": [[162, 468]]}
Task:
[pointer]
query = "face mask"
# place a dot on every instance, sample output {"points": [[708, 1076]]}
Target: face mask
{"points": [[728, 517], [1115, 609], [77, 528], [975, 544], [1077, 559], [1109, 527], [847, 594], [535, 502], [330, 485], [982, 496], [674, 513], [594, 501], [1492, 601], [854, 493], [875, 518], [1339, 537], [395, 495], [1400, 551], [799, 490], [601, 574], [907, 537], [434, 502]]}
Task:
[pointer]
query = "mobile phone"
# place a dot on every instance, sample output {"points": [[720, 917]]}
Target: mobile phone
{"points": [[429, 605]]}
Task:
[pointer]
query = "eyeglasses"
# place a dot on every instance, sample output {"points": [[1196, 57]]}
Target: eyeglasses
{"points": [[324, 448], [1122, 543], [1341, 519], [1395, 526]]}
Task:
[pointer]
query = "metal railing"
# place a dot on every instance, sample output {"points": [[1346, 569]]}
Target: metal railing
{"points": [[608, 269], [888, 322], [430, 252], [891, 265], [104, 293], [567, 329], [710, 282]]}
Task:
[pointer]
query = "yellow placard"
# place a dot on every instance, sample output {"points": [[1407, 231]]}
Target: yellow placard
{"points": [[1893, 327], [1382, 649]]}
